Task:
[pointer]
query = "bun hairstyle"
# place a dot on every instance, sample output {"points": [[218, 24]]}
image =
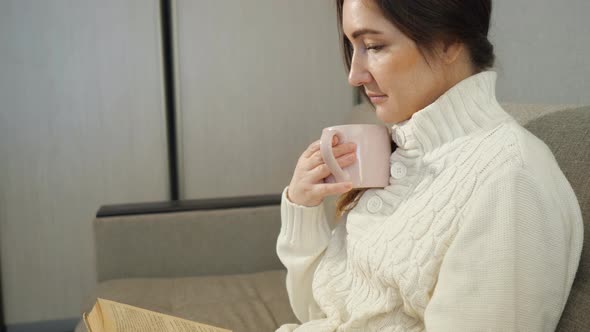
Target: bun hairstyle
{"points": [[428, 22]]}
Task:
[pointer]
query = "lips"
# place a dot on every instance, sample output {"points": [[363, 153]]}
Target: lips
{"points": [[374, 94], [376, 98]]}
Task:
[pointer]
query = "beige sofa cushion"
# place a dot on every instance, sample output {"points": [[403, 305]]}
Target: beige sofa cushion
{"points": [[242, 302]]}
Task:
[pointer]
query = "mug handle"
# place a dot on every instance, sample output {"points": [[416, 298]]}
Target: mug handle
{"points": [[328, 154]]}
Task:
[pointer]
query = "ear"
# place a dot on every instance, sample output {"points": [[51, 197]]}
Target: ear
{"points": [[450, 51]]}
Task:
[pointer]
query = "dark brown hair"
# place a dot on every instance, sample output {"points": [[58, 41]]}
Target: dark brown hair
{"points": [[427, 22]]}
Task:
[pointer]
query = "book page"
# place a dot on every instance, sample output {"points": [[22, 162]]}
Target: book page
{"points": [[93, 320], [119, 317]]}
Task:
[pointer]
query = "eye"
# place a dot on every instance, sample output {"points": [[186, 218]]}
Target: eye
{"points": [[374, 47]]}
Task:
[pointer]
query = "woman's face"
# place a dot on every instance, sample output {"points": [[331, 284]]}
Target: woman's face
{"points": [[388, 64]]}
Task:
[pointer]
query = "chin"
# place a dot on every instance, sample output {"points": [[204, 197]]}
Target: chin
{"points": [[384, 114]]}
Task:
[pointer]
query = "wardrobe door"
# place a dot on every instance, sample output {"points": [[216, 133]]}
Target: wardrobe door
{"points": [[82, 124], [256, 83]]}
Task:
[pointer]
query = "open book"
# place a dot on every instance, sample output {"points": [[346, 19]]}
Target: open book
{"points": [[110, 316]]}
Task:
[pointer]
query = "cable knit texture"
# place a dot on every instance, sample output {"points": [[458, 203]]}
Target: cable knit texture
{"points": [[478, 230]]}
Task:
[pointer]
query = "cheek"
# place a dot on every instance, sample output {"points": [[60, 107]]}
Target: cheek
{"points": [[396, 71], [403, 75], [406, 61], [400, 78]]}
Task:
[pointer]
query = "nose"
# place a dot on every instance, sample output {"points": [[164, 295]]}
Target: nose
{"points": [[358, 75]]}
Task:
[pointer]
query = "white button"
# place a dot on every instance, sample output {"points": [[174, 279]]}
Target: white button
{"points": [[398, 170], [437, 167], [374, 204]]}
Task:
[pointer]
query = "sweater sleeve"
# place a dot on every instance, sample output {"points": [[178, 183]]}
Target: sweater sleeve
{"points": [[512, 263], [303, 239]]}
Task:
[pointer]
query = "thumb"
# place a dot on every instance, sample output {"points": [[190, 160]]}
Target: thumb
{"points": [[346, 187]]}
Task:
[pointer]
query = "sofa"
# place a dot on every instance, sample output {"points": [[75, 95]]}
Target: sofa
{"points": [[214, 260]]}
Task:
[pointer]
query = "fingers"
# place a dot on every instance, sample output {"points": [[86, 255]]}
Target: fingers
{"points": [[316, 158], [322, 171], [315, 146], [310, 172], [328, 189]]}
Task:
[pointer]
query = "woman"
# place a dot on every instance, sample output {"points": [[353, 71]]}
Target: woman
{"points": [[478, 230]]}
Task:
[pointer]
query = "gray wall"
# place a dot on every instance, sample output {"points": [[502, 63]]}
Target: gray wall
{"points": [[543, 49], [81, 124], [257, 83]]}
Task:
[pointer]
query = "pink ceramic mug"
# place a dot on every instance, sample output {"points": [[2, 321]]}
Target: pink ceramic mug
{"points": [[373, 150]]}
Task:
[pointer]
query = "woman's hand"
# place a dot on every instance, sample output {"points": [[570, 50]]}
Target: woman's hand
{"points": [[307, 187]]}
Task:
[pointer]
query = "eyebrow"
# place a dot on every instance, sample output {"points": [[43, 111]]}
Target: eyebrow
{"points": [[361, 32]]}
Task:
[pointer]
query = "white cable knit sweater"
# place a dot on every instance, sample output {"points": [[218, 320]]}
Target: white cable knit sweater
{"points": [[478, 230]]}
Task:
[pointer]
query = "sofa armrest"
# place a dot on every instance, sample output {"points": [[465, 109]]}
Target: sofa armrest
{"points": [[187, 238]]}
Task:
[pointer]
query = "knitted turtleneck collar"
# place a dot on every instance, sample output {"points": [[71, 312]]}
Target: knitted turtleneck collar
{"points": [[467, 107]]}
